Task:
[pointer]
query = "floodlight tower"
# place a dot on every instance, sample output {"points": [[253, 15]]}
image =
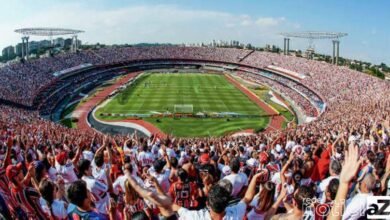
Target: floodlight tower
{"points": [[47, 32], [315, 35]]}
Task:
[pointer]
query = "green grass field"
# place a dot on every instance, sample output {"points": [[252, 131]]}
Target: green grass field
{"points": [[262, 93], [207, 93]]}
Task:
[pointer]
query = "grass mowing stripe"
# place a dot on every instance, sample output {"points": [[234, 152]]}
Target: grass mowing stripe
{"points": [[206, 92]]}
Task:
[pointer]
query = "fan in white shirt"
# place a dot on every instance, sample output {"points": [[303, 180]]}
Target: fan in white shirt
{"points": [[334, 171], [87, 154], [357, 207], [262, 202], [169, 151], [50, 202], [238, 180], [161, 174], [99, 166], [66, 167], [98, 188], [253, 162], [217, 203], [145, 158], [119, 184]]}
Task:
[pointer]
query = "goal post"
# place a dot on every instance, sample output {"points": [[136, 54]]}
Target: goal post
{"points": [[183, 108]]}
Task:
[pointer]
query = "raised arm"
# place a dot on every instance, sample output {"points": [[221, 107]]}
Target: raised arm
{"points": [[163, 201], [156, 185], [78, 154], [109, 151], [109, 180], [167, 160], [348, 172], [271, 212], [8, 153], [386, 176], [251, 191], [103, 147], [285, 167]]}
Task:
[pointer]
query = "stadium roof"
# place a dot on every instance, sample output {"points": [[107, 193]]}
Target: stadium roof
{"points": [[47, 31], [315, 35]]}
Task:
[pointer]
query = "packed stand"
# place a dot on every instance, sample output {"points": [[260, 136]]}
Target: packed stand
{"points": [[52, 172], [283, 86]]}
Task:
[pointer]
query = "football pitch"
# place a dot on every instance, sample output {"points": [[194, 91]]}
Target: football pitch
{"points": [[207, 94]]}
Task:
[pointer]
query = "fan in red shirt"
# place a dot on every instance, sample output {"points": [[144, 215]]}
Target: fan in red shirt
{"points": [[321, 167], [183, 192], [27, 197]]}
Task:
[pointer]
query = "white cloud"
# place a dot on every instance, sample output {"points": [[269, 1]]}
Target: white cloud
{"points": [[152, 23], [269, 21], [168, 23]]}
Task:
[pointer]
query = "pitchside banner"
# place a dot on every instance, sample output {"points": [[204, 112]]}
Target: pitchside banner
{"points": [[378, 207]]}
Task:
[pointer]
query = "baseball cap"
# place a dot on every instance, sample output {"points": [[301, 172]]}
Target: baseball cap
{"points": [[13, 170], [204, 158], [61, 157]]}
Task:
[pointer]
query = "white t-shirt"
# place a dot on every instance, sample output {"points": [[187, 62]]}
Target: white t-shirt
{"points": [[170, 152], [100, 194], [290, 145], [155, 150], [58, 208], [252, 162], [253, 215], [162, 178], [233, 212], [357, 207], [131, 152], [88, 155], [52, 173], [238, 181], [322, 187], [99, 172], [145, 158], [119, 183], [67, 172]]}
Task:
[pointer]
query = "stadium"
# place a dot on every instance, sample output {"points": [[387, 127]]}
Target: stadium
{"points": [[232, 75], [137, 127]]}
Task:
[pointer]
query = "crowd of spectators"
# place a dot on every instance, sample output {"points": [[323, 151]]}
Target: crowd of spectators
{"points": [[288, 89], [20, 82], [52, 172], [325, 169]]}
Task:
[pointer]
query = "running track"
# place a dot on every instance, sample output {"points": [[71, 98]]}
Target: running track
{"points": [[84, 108], [100, 96], [276, 119]]}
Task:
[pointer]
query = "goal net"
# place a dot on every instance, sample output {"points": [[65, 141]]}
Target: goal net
{"points": [[183, 108]]}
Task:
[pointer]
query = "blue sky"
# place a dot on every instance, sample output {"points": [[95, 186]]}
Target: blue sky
{"points": [[186, 21]]}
